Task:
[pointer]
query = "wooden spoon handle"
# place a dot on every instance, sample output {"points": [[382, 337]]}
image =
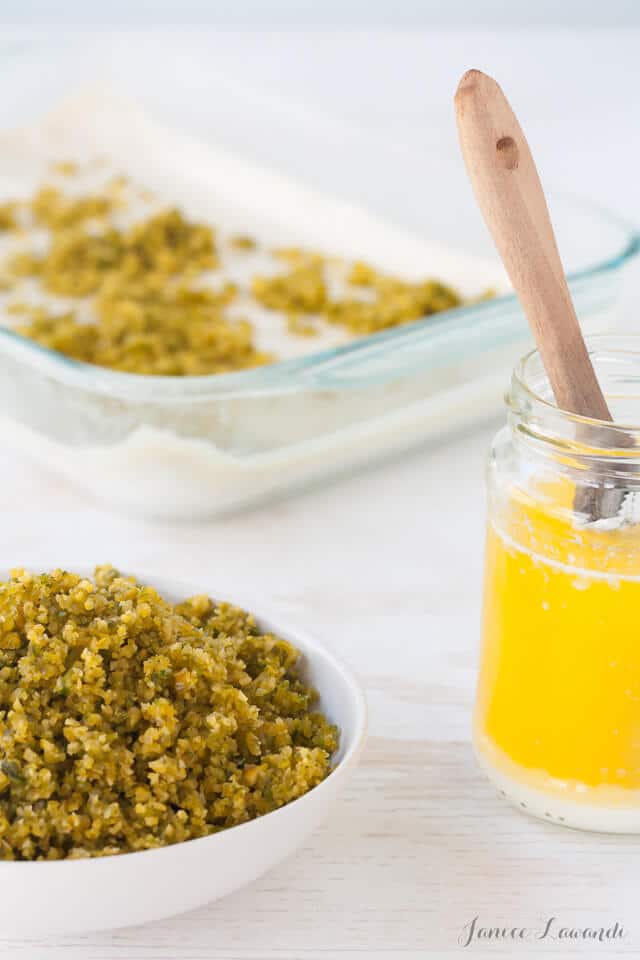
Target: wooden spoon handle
{"points": [[509, 193]]}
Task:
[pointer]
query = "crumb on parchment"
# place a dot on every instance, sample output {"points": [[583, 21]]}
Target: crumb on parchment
{"points": [[150, 311]]}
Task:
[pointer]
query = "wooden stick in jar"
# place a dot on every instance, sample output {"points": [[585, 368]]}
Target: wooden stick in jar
{"points": [[510, 196]]}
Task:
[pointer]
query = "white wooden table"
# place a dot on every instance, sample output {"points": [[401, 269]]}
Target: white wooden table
{"points": [[381, 564]]}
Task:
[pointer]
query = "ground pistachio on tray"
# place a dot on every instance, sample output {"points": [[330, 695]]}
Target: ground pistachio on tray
{"points": [[390, 302], [149, 327], [128, 722], [151, 312], [7, 216]]}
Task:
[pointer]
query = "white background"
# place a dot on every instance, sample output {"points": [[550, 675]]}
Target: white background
{"points": [[389, 14], [377, 102]]}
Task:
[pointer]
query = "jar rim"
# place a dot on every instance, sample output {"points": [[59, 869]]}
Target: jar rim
{"points": [[614, 345], [609, 449]]}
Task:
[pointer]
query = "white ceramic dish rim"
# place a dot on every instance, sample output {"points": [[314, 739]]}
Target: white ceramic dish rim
{"points": [[310, 649]]}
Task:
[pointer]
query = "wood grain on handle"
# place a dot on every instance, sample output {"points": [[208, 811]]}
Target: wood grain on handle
{"points": [[509, 193]]}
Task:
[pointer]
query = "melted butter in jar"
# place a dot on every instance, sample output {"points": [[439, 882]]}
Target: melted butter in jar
{"points": [[557, 717]]}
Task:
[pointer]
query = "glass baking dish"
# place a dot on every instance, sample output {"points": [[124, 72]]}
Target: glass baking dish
{"points": [[186, 447], [196, 446]]}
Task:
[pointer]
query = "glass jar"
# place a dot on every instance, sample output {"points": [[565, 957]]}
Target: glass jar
{"points": [[557, 716]]}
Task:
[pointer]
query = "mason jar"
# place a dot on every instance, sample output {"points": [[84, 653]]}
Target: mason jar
{"points": [[557, 715]]}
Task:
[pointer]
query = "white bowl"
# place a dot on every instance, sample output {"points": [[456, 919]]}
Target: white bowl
{"points": [[69, 896]]}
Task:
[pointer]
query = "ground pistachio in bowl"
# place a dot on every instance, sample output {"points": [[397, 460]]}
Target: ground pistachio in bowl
{"points": [[128, 722]]}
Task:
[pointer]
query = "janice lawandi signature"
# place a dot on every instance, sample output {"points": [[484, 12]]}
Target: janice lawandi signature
{"points": [[550, 928]]}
